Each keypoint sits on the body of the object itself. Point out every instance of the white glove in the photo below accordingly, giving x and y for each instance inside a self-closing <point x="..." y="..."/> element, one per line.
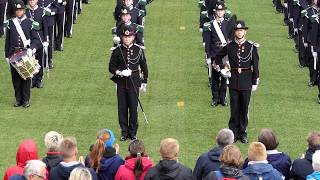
<point x="314" y="54"/>
<point x="305" y="45"/>
<point x="285" y="5"/>
<point x="225" y="73"/>
<point x="295" y="31"/>
<point x="45" y="44"/>
<point x="64" y="3"/>
<point x="208" y="60"/>
<point x="143" y="87"/>
<point x="216" y="67"/>
<point x="30" y="52"/>
<point x="254" y="87"/>
<point x="8" y="60"/>
<point x="200" y="30"/>
<point x="126" y="72"/>
<point x="116" y="39"/>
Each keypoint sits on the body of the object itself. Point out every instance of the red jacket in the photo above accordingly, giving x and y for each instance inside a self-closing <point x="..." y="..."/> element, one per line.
<point x="125" y="172"/>
<point x="27" y="151"/>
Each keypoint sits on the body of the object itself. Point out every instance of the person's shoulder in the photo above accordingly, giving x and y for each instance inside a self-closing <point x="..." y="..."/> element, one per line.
<point x="255" y="44"/>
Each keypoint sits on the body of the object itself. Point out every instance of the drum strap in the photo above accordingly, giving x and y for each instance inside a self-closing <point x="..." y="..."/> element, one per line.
<point x="219" y="32"/>
<point x="26" y="42"/>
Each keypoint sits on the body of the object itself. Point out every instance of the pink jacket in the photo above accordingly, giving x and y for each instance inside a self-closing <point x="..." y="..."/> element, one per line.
<point x="125" y="172"/>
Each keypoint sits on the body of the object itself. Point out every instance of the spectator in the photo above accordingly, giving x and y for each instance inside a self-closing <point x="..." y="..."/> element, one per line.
<point x="303" y="167"/>
<point x="169" y="167"/>
<point x="137" y="163"/>
<point x="27" y="151"/>
<point x="231" y="161"/>
<point x="104" y="158"/>
<point x="258" y="167"/>
<point x="69" y="150"/>
<point x="34" y="170"/>
<point x="209" y="161"/>
<point x="80" y="173"/>
<point x="278" y="160"/>
<point x="316" y="167"/>
<point x="52" y="140"/>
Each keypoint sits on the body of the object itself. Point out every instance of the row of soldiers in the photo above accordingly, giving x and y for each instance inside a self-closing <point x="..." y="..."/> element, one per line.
<point x="128" y="64"/>
<point x="37" y="27"/>
<point x="302" y="19"/>
<point x="232" y="62"/>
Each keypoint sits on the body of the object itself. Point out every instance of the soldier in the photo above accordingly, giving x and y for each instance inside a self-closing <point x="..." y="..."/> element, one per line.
<point x="20" y="36"/>
<point x="126" y="63"/>
<point x="244" y="60"/>
<point x="36" y="14"/>
<point x="3" y="8"/>
<point x="60" y="20"/>
<point x="69" y="18"/>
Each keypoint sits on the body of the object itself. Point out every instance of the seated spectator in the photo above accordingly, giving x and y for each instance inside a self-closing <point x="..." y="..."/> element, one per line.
<point x="104" y="157"/>
<point x="209" y="161"/>
<point x="34" y="170"/>
<point x="231" y="162"/>
<point x="137" y="163"/>
<point x="27" y="151"/>
<point x="169" y="167"/>
<point x="80" y="173"/>
<point x="69" y="150"/>
<point x="52" y="140"/>
<point x="278" y="160"/>
<point x="302" y="167"/>
<point x="316" y="167"/>
<point x="258" y="166"/>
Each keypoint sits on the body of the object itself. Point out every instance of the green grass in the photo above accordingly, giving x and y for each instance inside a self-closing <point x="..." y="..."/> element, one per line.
<point x="79" y="99"/>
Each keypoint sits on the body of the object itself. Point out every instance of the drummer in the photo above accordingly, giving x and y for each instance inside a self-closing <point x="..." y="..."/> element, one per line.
<point x="20" y="37"/>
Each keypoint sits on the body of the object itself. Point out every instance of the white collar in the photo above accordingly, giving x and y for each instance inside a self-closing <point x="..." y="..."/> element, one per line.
<point x="21" y="19"/>
<point x="69" y="164"/>
<point x="257" y="162"/>
<point x="35" y="7"/>
<point x="128" y="46"/>
<point x="238" y="42"/>
<point x="273" y="151"/>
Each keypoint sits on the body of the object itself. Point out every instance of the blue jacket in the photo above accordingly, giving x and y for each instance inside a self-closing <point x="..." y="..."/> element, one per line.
<point x="207" y="162"/>
<point x="264" y="170"/>
<point x="109" y="167"/>
<point x="17" y="177"/>
<point x="314" y="176"/>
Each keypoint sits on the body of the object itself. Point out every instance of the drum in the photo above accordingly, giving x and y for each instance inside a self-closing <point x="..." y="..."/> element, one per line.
<point x="25" y="65"/>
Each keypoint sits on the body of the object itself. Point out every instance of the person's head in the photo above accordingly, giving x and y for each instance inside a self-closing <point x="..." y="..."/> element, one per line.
<point x="169" y="149"/>
<point x="224" y="137"/>
<point x="128" y="35"/>
<point x="314" y="141"/>
<point x="240" y="30"/>
<point x="137" y="150"/>
<point x="33" y="3"/>
<point x="268" y="138"/>
<point x="52" y="140"/>
<point x="257" y="152"/>
<point x="128" y="2"/>
<point x="316" y="161"/>
<point x="27" y="150"/>
<point x="231" y="156"/>
<point x="220" y="10"/>
<point x="80" y="173"/>
<point x="105" y="139"/>
<point x="125" y="15"/>
<point x="35" y="170"/>
<point x="19" y="8"/>
<point x="69" y="149"/>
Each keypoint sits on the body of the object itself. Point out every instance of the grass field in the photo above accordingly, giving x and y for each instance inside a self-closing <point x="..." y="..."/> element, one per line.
<point x="79" y="99"/>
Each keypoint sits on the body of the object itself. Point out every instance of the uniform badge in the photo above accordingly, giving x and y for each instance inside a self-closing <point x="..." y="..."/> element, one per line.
<point x="239" y="70"/>
<point x="18" y="6"/>
<point x="124" y="11"/>
<point x="127" y="32"/>
<point x="220" y="6"/>
<point x="239" y="25"/>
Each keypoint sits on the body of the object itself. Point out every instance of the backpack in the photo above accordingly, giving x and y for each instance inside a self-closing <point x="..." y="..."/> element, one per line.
<point x="220" y="176"/>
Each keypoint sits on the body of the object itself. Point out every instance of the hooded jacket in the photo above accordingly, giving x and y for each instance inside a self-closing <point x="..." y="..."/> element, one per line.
<point x="301" y="168"/>
<point x="52" y="159"/>
<point x="315" y="175"/>
<point x="169" y="169"/>
<point x="207" y="162"/>
<point x="27" y="150"/>
<point x="126" y="171"/>
<point x="62" y="171"/>
<point x="262" y="170"/>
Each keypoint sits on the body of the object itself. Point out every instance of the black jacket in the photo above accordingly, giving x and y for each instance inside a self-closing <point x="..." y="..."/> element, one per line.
<point x="61" y="172"/>
<point x="169" y="169"/>
<point x="51" y="4"/>
<point x="52" y="159"/>
<point x="38" y="16"/>
<point x="227" y="172"/>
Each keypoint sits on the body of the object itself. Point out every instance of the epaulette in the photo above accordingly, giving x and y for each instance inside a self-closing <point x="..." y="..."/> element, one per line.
<point x="142" y="13"/>
<point x="142" y="2"/>
<point x="114" y="30"/>
<point x="204" y="14"/>
<point x="254" y="43"/>
<point x="6" y="23"/>
<point x="35" y="25"/>
<point x="207" y="26"/>
<point x="139" y="46"/>
<point x="114" y="48"/>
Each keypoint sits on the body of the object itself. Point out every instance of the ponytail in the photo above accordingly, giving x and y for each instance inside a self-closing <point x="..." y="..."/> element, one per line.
<point x="138" y="167"/>
<point x="96" y="154"/>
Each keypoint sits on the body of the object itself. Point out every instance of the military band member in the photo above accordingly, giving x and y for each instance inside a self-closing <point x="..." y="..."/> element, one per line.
<point x="36" y="14"/>
<point x="3" y="8"/>
<point x="126" y="63"/>
<point x="69" y="18"/>
<point x="20" y="36"/>
<point x="244" y="64"/>
<point x="59" y="24"/>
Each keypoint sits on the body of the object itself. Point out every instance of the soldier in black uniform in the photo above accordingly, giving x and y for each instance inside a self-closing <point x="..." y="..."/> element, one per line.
<point x="60" y="20"/>
<point x="36" y="14"/>
<point x="126" y="63"/>
<point x="15" y="42"/>
<point x="69" y="18"/>
<point x="244" y="61"/>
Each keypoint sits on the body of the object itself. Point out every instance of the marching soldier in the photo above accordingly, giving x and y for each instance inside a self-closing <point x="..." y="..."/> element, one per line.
<point x="60" y="20"/>
<point x="244" y="64"/>
<point x="126" y="63"/>
<point x="36" y="14"/>
<point x="20" y="36"/>
<point x="69" y="18"/>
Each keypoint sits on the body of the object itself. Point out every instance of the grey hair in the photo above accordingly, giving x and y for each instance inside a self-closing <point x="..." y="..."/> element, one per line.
<point x="34" y="167"/>
<point x="225" y="137"/>
<point x="80" y="173"/>
<point x="316" y="161"/>
<point x="52" y="141"/>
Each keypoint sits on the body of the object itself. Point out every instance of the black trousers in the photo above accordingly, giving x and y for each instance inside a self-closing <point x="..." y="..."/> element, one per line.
<point x="285" y="16"/>
<point x="50" y="47"/>
<point x="37" y="78"/>
<point x="127" y="112"/>
<point x="302" y="50"/>
<point x="59" y="30"/>
<point x="69" y="17"/>
<point x="278" y="5"/>
<point x="218" y="87"/>
<point x="2" y="11"/>
<point x="310" y="61"/>
<point x="239" y="103"/>
<point x="21" y="86"/>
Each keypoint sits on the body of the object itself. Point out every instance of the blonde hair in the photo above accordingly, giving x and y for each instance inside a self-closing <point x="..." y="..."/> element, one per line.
<point x="257" y="151"/>
<point x="80" y="173"/>
<point x="169" y="148"/>
<point x="34" y="167"/>
<point x="52" y="140"/>
<point x="231" y="156"/>
<point x="68" y="147"/>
